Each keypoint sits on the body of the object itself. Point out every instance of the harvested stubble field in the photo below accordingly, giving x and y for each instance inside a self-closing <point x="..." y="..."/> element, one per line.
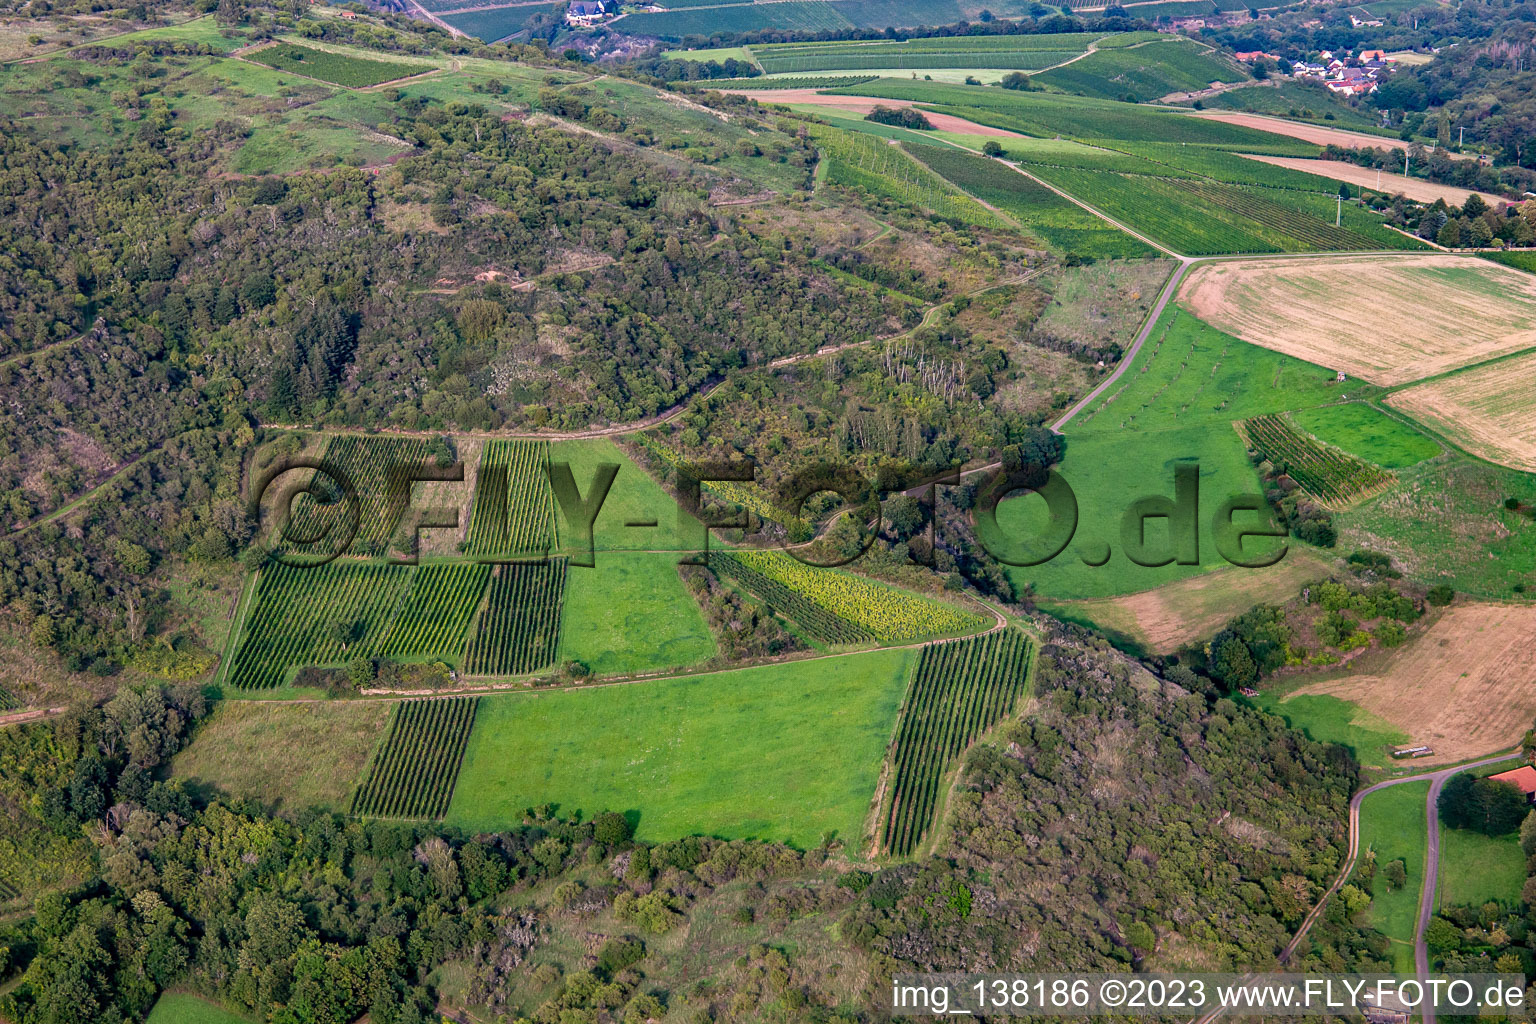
<point x="1344" y="312"/>
<point x="1486" y="410"/>
<point x="1378" y="181"/>
<point x="1464" y="687"/>
<point x="859" y="105"/>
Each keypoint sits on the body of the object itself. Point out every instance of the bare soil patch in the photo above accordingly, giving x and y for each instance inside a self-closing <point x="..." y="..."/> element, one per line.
<point x="1379" y="181"/>
<point x="863" y="105"/>
<point x="1386" y="319"/>
<point x="1464" y="688"/>
<point x="1314" y="133"/>
<point x="1486" y="410"/>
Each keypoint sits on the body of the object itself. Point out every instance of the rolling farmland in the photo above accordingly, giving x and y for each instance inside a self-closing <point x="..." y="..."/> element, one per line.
<point x="413" y="774"/>
<point x="961" y="689"/>
<point x="514" y="510"/>
<point x="519" y="630"/>
<point x="1485" y="409"/>
<point x="1145" y="72"/>
<point x="1334" y="477"/>
<point x="860" y="161"/>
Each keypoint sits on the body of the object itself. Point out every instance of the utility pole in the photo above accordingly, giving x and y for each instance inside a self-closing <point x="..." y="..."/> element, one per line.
<point x="1462" y="141"/>
<point x="1338" y="215"/>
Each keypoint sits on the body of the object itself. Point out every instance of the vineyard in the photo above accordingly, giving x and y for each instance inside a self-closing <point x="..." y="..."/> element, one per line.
<point x="816" y="621"/>
<point x="339" y="68"/>
<point x="1060" y="223"/>
<point x="961" y="690"/>
<point x="368" y="463"/>
<point x="798" y="15"/>
<point x="514" y="510"/>
<point x="1146" y="72"/>
<point x="519" y="630"/>
<point x="414" y="772"/>
<point x="882" y="59"/>
<point x="437" y="612"/>
<point x="867" y="163"/>
<point x="1334" y="477"/>
<point x="887" y="614"/>
<point x="317" y="615"/>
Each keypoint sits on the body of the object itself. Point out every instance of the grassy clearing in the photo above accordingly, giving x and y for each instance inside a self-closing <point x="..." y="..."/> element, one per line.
<point x="183" y="1008"/>
<point x="1335" y="720"/>
<point x="1365" y="431"/>
<point x="1392" y="825"/>
<point x="1475" y="868"/>
<point x="631" y="613"/>
<point x="634" y="498"/>
<point x="787" y="752"/>
<point x="282" y="753"/>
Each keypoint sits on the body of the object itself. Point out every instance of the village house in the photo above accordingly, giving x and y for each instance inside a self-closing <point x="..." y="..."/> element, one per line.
<point x="1522" y="778"/>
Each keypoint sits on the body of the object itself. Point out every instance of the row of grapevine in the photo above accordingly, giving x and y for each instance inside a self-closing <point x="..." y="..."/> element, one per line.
<point x="1007" y="60"/>
<point x="415" y="770"/>
<point x="514" y="510"/>
<point x="815" y="620"/>
<point x="519" y="630"/>
<point x="318" y="615"/>
<point x="886" y="613"/>
<point x="379" y="468"/>
<point x="1334" y="477"/>
<point x="437" y="611"/>
<point x="875" y="166"/>
<point x="961" y="689"/>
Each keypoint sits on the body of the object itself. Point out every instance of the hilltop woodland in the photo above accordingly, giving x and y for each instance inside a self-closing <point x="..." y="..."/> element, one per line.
<point x="314" y="917"/>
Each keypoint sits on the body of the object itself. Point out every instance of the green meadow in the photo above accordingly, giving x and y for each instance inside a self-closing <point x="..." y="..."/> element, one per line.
<point x="1392" y="826"/>
<point x="182" y="1008"/>
<point x="1330" y="719"/>
<point x="1175" y="405"/>
<point x="1475" y="868"/>
<point x="785" y="752"/>
<point x="1369" y="433"/>
<point x="631" y="613"/>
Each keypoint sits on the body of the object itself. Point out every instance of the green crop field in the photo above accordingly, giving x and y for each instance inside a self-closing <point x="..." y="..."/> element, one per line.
<point x="1329" y="474"/>
<point x="519" y="631"/>
<point x="1145" y="72"/>
<point x="1475" y="868"/>
<point x="1330" y="719"/>
<point x="1364" y="430"/>
<point x="960" y="690"/>
<point x="887" y="614"/>
<point x="1392" y="825"/>
<point x="1060" y="223"/>
<point x="183" y="1008"/>
<point x="341" y="69"/>
<point x="858" y="161"/>
<point x="514" y="509"/>
<point x="413" y="773"/>
<point x="788" y="752"/>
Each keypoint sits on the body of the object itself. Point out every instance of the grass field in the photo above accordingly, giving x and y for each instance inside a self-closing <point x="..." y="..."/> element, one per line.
<point x="631" y="613"/>
<point x="1175" y="404"/>
<point x="1367" y="432"/>
<point x="1331" y="475"/>
<point x="299" y="755"/>
<point x="1464" y="311"/>
<point x="1445" y="523"/>
<point x="856" y="160"/>
<point x="182" y="1008"/>
<point x="633" y="498"/>
<point x="787" y="752"/>
<point x="1486" y="409"/>
<point x="338" y="68"/>
<point x="1475" y="868"/>
<point x="1463" y="687"/>
<point x="1392" y="825"/>
<point x="1335" y="720"/>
